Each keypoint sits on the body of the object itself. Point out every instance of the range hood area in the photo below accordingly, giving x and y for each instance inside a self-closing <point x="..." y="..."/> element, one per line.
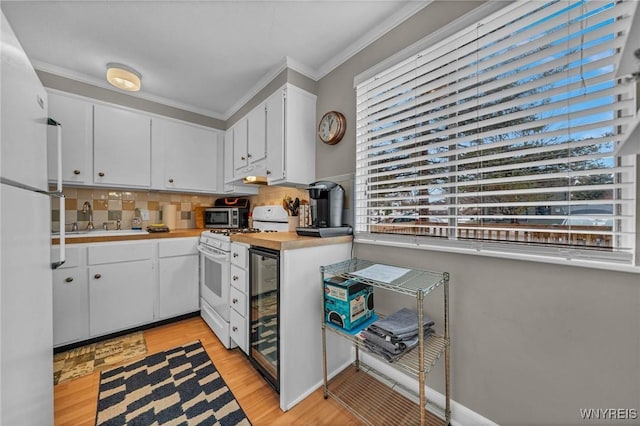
<point x="255" y="180"/>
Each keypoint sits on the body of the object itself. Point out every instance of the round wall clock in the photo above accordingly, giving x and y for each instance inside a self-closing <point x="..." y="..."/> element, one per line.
<point x="331" y="128"/>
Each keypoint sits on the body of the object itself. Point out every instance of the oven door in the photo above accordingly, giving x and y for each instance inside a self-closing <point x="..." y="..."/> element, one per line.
<point x="215" y="286"/>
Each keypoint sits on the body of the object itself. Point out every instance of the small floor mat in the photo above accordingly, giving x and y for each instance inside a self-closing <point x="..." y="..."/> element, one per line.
<point x="97" y="356"/>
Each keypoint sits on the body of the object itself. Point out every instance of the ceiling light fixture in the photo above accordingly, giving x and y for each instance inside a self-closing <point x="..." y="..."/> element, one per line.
<point x="123" y="77"/>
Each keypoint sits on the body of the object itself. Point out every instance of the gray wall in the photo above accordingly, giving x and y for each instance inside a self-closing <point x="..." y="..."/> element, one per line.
<point x="532" y="343"/>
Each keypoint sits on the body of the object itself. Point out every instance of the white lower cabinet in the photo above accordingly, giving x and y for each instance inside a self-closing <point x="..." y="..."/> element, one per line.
<point x="239" y="313"/>
<point x="178" y="277"/>
<point x="108" y="287"/>
<point x="120" y="296"/>
<point x="70" y="299"/>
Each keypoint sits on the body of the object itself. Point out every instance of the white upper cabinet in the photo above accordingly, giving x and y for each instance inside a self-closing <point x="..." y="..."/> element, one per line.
<point x="121" y="147"/>
<point x="231" y="186"/>
<point x="76" y="117"/>
<point x="249" y="144"/>
<point x="185" y="157"/>
<point x="291" y="138"/>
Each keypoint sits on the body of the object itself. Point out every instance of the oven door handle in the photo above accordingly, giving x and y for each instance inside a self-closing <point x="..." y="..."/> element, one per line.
<point x="210" y="255"/>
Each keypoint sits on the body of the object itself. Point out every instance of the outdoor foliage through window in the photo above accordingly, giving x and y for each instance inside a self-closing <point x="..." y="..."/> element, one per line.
<point x="504" y="132"/>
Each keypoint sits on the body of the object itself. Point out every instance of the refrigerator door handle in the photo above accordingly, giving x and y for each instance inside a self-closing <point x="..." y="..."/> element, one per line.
<point x="58" y="193"/>
<point x="63" y="256"/>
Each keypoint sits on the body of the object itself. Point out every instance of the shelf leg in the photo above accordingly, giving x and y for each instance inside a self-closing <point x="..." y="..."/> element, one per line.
<point x="325" y="386"/>
<point x="421" y="377"/>
<point x="447" y="350"/>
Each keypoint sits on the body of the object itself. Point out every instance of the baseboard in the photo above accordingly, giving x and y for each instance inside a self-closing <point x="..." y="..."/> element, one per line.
<point x="318" y="385"/>
<point x="460" y="415"/>
<point x="97" y="339"/>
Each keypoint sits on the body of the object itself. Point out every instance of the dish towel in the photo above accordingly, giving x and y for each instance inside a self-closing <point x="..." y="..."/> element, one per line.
<point x="400" y="324"/>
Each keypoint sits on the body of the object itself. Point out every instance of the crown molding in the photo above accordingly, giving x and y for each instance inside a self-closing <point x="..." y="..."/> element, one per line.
<point x="393" y="21"/>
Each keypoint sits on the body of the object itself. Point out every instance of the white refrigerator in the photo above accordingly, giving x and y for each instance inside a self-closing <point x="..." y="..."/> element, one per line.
<point x="26" y="336"/>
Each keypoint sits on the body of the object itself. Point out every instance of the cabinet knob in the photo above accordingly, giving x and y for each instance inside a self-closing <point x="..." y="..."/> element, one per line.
<point x="235" y="254"/>
<point x="268" y="172"/>
<point x="248" y="155"/>
<point x="97" y="276"/>
<point x="76" y="172"/>
<point x="69" y="279"/>
<point x="234" y="301"/>
<point x="170" y="180"/>
<point x="243" y="158"/>
<point x="101" y="174"/>
<point x="235" y="278"/>
<point x="234" y="328"/>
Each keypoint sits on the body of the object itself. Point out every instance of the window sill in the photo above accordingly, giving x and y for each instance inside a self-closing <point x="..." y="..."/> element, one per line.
<point x="468" y="250"/>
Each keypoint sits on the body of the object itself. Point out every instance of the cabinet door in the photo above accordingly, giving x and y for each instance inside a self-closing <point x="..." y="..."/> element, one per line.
<point x="70" y="305"/>
<point x="190" y="155"/>
<point x="256" y="134"/>
<point x="240" y="144"/>
<point x="275" y="137"/>
<point x="121" y="296"/>
<point x="121" y="147"/>
<point x="179" y="293"/>
<point x="76" y="117"/>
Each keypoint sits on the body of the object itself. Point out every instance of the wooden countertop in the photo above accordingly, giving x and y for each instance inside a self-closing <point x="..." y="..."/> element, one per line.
<point x="177" y="233"/>
<point x="271" y="240"/>
<point x="287" y="240"/>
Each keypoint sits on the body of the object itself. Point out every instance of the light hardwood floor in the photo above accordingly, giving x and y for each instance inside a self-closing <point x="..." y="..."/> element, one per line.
<point x="75" y="401"/>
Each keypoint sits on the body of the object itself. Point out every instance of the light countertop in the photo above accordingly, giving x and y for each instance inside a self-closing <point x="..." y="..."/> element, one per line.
<point x="287" y="240"/>
<point x="177" y="233"/>
<point x="270" y="240"/>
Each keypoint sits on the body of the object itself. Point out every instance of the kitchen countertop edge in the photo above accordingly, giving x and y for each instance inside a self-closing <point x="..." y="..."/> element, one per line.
<point x="287" y="240"/>
<point x="177" y="233"/>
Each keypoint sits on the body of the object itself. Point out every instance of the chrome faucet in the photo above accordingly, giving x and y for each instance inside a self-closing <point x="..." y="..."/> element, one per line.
<point x="86" y="208"/>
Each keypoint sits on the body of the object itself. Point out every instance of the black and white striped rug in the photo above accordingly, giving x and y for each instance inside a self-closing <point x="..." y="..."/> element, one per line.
<point x="180" y="386"/>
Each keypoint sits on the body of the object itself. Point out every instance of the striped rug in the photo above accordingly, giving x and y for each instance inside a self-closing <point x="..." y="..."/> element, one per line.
<point x="178" y="386"/>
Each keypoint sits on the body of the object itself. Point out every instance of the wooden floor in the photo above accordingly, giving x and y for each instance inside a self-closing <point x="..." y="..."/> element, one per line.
<point x="75" y="401"/>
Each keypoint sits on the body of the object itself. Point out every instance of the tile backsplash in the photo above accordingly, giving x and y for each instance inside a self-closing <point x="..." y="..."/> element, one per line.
<point x="111" y="205"/>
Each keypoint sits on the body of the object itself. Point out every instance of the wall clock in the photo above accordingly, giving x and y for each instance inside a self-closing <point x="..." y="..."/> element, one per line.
<point x="331" y="128"/>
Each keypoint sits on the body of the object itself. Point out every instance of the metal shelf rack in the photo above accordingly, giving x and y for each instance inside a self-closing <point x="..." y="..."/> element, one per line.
<point x="386" y="400"/>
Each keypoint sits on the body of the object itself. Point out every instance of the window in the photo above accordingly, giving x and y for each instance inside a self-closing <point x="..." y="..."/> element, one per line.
<point x="503" y="137"/>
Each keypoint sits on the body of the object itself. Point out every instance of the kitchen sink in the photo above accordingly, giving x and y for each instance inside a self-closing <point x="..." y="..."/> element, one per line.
<point x="101" y="233"/>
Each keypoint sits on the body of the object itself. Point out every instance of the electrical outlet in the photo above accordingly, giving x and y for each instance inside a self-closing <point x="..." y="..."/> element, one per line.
<point x="145" y="214"/>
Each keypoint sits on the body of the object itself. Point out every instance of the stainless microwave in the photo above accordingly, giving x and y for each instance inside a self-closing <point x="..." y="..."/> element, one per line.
<point x="226" y="217"/>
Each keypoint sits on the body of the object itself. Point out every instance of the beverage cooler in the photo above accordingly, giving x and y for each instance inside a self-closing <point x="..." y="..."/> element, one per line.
<point x="264" y="313"/>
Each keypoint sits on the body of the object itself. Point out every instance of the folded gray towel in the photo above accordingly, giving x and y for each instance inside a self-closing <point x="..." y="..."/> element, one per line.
<point x="400" y="324"/>
<point x="392" y="356"/>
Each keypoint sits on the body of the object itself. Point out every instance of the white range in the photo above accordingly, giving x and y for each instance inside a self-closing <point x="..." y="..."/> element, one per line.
<point x="215" y="267"/>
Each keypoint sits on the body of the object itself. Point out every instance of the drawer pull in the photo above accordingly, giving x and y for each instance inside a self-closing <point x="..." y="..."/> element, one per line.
<point x="170" y="180"/>
<point x="234" y="328"/>
<point x="235" y="278"/>
<point x="234" y="301"/>
<point x="101" y="174"/>
<point x="76" y="172"/>
<point x="69" y="279"/>
<point x="97" y="276"/>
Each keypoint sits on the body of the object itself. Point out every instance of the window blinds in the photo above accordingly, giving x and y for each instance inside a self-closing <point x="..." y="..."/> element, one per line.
<point x="504" y="133"/>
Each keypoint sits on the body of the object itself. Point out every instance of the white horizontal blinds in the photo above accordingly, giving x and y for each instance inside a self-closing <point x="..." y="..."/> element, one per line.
<point x="504" y="132"/>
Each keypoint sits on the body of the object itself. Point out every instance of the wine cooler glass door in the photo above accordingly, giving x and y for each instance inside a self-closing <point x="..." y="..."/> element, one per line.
<point x="264" y="314"/>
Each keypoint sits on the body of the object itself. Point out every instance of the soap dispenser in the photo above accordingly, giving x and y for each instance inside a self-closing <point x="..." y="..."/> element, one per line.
<point x="136" y="223"/>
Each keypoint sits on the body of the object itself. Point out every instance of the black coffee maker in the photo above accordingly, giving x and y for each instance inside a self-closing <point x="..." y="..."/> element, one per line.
<point x="327" y="201"/>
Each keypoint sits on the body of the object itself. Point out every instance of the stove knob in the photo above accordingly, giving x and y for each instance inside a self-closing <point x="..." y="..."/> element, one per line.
<point x="235" y="278"/>
<point x="235" y="254"/>
<point x="234" y="301"/>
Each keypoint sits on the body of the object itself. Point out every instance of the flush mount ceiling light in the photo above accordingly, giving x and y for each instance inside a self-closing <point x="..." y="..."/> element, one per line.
<point x="123" y="77"/>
